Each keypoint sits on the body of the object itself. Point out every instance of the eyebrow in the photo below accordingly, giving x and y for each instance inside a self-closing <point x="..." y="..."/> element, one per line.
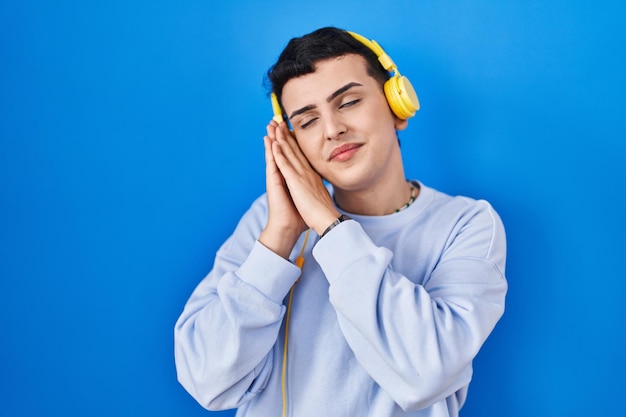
<point x="328" y="99"/>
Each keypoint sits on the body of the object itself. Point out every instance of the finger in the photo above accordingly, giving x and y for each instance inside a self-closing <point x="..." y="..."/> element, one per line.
<point x="281" y="161"/>
<point x="292" y="140"/>
<point x="276" y="186"/>
<point x="270" y="163"/>
<point x="290" y="148"/>
<point x="271" y="130"/>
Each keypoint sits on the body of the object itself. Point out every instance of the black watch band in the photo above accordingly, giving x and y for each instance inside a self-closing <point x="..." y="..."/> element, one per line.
<point x="340" y="219"/>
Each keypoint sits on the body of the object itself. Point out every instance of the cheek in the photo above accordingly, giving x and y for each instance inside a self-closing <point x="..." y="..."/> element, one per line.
<point x="306" y="149"/>
<point x="304" y="140"/>
<point x="314" y="156"/>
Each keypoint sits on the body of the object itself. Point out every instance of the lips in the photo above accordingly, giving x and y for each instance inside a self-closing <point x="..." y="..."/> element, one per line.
<point x="344" y="152"/>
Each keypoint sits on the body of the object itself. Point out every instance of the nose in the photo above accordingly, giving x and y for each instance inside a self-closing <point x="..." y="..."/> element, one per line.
<point x="334" y="127"/>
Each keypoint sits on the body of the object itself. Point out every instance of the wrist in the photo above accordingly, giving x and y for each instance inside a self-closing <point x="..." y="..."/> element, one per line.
<point x="280" y="242"/>
<point x="335" y="223"/>
<point x="323" y="220"/>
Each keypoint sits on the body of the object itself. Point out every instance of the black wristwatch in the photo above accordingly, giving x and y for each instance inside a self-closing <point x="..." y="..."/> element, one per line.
<point x="340" y="219"/>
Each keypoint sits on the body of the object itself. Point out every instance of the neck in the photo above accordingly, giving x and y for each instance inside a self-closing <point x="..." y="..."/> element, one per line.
<point x="378" y="200"/>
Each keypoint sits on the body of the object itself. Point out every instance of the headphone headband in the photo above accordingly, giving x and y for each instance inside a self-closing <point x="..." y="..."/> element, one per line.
<point x="384" y="59"/>
<point x="398" y="89"/>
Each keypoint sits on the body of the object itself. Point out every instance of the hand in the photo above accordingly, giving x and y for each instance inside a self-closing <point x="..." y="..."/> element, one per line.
<point x="305" y="186"/>
<point x="284" y="223"/>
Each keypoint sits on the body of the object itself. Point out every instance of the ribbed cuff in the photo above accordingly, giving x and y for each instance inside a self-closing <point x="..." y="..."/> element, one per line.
<point x="271" y="274"/>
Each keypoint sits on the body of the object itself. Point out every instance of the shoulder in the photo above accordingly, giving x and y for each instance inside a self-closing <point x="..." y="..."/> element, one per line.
<point x="467" y="221"/>
<point x="459" y="207"/>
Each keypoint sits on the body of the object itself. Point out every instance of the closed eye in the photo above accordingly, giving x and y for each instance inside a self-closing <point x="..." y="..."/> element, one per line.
<point x="349" y="103"/>
<point x="312" y="120"/>
<point x="308" y="123"/>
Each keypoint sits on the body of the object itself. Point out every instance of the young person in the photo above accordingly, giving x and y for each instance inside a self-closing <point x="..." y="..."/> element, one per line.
<point x="400" y="286"/>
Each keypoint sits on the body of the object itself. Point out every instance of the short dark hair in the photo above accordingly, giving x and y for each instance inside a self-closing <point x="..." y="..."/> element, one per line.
<point x="302" y="54"/>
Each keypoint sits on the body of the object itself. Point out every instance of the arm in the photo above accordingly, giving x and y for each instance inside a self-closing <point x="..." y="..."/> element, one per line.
<point x="417" y="340"/>
<point x="225" y="335"/>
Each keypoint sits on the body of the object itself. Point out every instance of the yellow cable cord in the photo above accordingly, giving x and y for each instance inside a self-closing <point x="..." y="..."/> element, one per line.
<point x="299" y="262"/>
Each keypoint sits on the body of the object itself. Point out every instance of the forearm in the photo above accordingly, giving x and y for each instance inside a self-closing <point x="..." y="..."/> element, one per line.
<point x="228" y="328"/>
<point x="417" y="342"/>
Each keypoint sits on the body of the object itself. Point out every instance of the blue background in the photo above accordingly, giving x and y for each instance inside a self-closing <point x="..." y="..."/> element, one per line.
<point x="131" y="143"/>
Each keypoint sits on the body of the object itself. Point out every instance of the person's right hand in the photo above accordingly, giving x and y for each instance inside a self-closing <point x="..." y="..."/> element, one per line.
<point x="284" y="224"/>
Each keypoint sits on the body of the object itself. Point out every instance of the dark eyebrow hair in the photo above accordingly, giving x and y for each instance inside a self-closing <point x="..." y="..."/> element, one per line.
<point x="328" y="99"/>
<point x="342" y="90"/>
<point x="302" y="110"/>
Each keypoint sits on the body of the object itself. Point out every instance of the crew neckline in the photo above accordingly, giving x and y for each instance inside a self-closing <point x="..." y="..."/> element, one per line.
<point x="389" y="220"/>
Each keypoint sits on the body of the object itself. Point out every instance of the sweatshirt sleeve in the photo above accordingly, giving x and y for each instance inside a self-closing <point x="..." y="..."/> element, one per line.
<point x="224" y="337"/>
<point x="417" y="341"/>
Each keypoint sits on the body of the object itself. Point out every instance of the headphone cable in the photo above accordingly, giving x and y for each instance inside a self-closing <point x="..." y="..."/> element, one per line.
<point x="299" y="262"/>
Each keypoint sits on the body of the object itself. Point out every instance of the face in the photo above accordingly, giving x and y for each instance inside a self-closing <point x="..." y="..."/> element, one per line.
<point x="343" y="124"/>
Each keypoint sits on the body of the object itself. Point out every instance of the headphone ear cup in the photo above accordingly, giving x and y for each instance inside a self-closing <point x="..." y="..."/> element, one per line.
<point x="401" y="97"/>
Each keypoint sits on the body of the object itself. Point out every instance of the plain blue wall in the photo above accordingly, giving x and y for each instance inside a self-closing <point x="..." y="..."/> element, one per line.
<point x="131" y="143"/>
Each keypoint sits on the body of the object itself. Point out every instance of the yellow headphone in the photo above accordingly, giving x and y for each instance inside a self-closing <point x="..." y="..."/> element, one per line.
<point x="399" y="92"/>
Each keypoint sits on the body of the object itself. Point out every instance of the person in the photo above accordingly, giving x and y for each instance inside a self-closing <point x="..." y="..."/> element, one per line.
<point x="400" y="284"/>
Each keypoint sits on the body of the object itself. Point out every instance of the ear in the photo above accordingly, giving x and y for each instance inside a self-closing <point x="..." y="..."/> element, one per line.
<point x="400" y="124"/>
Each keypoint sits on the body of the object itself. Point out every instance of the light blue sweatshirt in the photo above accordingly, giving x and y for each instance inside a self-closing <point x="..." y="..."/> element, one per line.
<point x="385" y="321"/>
